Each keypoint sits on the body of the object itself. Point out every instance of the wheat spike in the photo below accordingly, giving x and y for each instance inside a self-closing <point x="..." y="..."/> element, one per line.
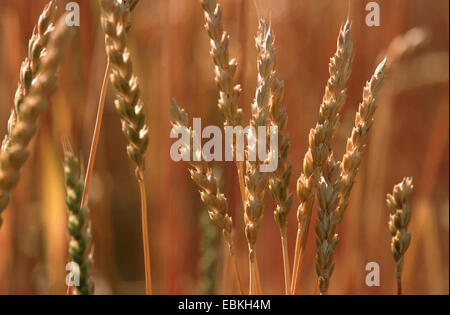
<point x="398" y="223"/>
<point x="203" y="177"/>
<point x="279" y="181"/>
<point x="320" y="139"/>
<point x="128" y="102"/>
<point x="79" y="225"/>
<point x="225" y="69"/>
<point x="357" y="142"/>
<point x="23" y="124"/>
<point x="326" y="224"/>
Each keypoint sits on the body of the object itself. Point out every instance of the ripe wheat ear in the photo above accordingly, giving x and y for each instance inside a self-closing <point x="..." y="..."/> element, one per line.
<point x="210" y="194"/>
<point x="398" y="204"/>
<point x="129" y="104"/>
<point x="23" y="124"/>
<point x="320" y="139"/>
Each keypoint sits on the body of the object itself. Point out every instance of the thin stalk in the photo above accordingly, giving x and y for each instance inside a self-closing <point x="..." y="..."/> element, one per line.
<point x="257" y="278"/>
<point x="399" y="283"/>
<point x="251" y="275"/>
<point x="287" y="272"/>
<point x="95" y="138"/>
<point x="300" y="243"/>
<point x="145" y="234"/>
<point x="236" y="272"/>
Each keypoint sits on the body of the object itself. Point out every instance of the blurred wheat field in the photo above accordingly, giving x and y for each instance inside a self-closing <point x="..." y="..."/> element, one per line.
<point x="170" y="52"/>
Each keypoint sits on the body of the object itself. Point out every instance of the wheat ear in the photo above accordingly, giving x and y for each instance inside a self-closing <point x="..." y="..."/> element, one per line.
<point x="398" y="223"/>
<point x="225" y="69"/>
<point x="210" y="193"/>
<point x="255" y="180"/>
<point x="78" y="224"/>
<point x="98" y="122"/>
<point x="30" y="67"/>
<point x="320" y="139"/>
<point x="326" y="224"/>
<point x="225" y="73"/>
<point x="357" y="142"/>
<point x="128" y="103"/>
<point x="280" y="179"/>
<point x="23" y="126"/>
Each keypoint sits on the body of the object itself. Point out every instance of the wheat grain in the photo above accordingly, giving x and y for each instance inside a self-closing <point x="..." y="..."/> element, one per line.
<point x="357" y="142"/>
<point x="320" y="139"/>
<point x="79" y="225"/>
<point x="128" y="103"/>
<point x="398" y="223"/>
<point x="23" y="124"/>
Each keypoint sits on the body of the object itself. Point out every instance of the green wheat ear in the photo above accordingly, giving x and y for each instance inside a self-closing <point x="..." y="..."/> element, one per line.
<point x="78" y="223"/>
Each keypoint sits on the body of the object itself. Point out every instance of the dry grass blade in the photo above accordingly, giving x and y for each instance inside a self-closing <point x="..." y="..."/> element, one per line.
<point x="357" y="142"/>
<point x="320" y="139"/>
<point x="398" y="223"/>
<point x="23" y="125"/>
<point x="128" y="103"/>
<point x="79" y="225"/>
<point x="210" y="194"/>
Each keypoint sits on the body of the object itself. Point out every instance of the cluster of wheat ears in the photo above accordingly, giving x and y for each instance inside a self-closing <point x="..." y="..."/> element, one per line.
<point x="323" y="178"/>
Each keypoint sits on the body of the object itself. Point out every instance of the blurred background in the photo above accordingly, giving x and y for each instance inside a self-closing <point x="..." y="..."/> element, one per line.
<point x="170" y="50"/>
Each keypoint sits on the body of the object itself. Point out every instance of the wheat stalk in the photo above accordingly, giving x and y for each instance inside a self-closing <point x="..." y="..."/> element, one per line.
<point x="210" y="193"/>
<point x="128" y="103"/>
<point x="357" y="142"/>
<point x="398" y="223"/>
<point x="320" y="139"/>
<point x="79" y="225"/>
<point x="326" y="224"/>
<point x="280" y="179"/>
<point x="23" y="124"/>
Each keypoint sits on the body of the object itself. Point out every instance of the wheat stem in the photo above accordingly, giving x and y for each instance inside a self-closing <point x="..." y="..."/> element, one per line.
<point x="145" y="233"/>
<point x="286" y="266"/>
<point x="95" y="138"/>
